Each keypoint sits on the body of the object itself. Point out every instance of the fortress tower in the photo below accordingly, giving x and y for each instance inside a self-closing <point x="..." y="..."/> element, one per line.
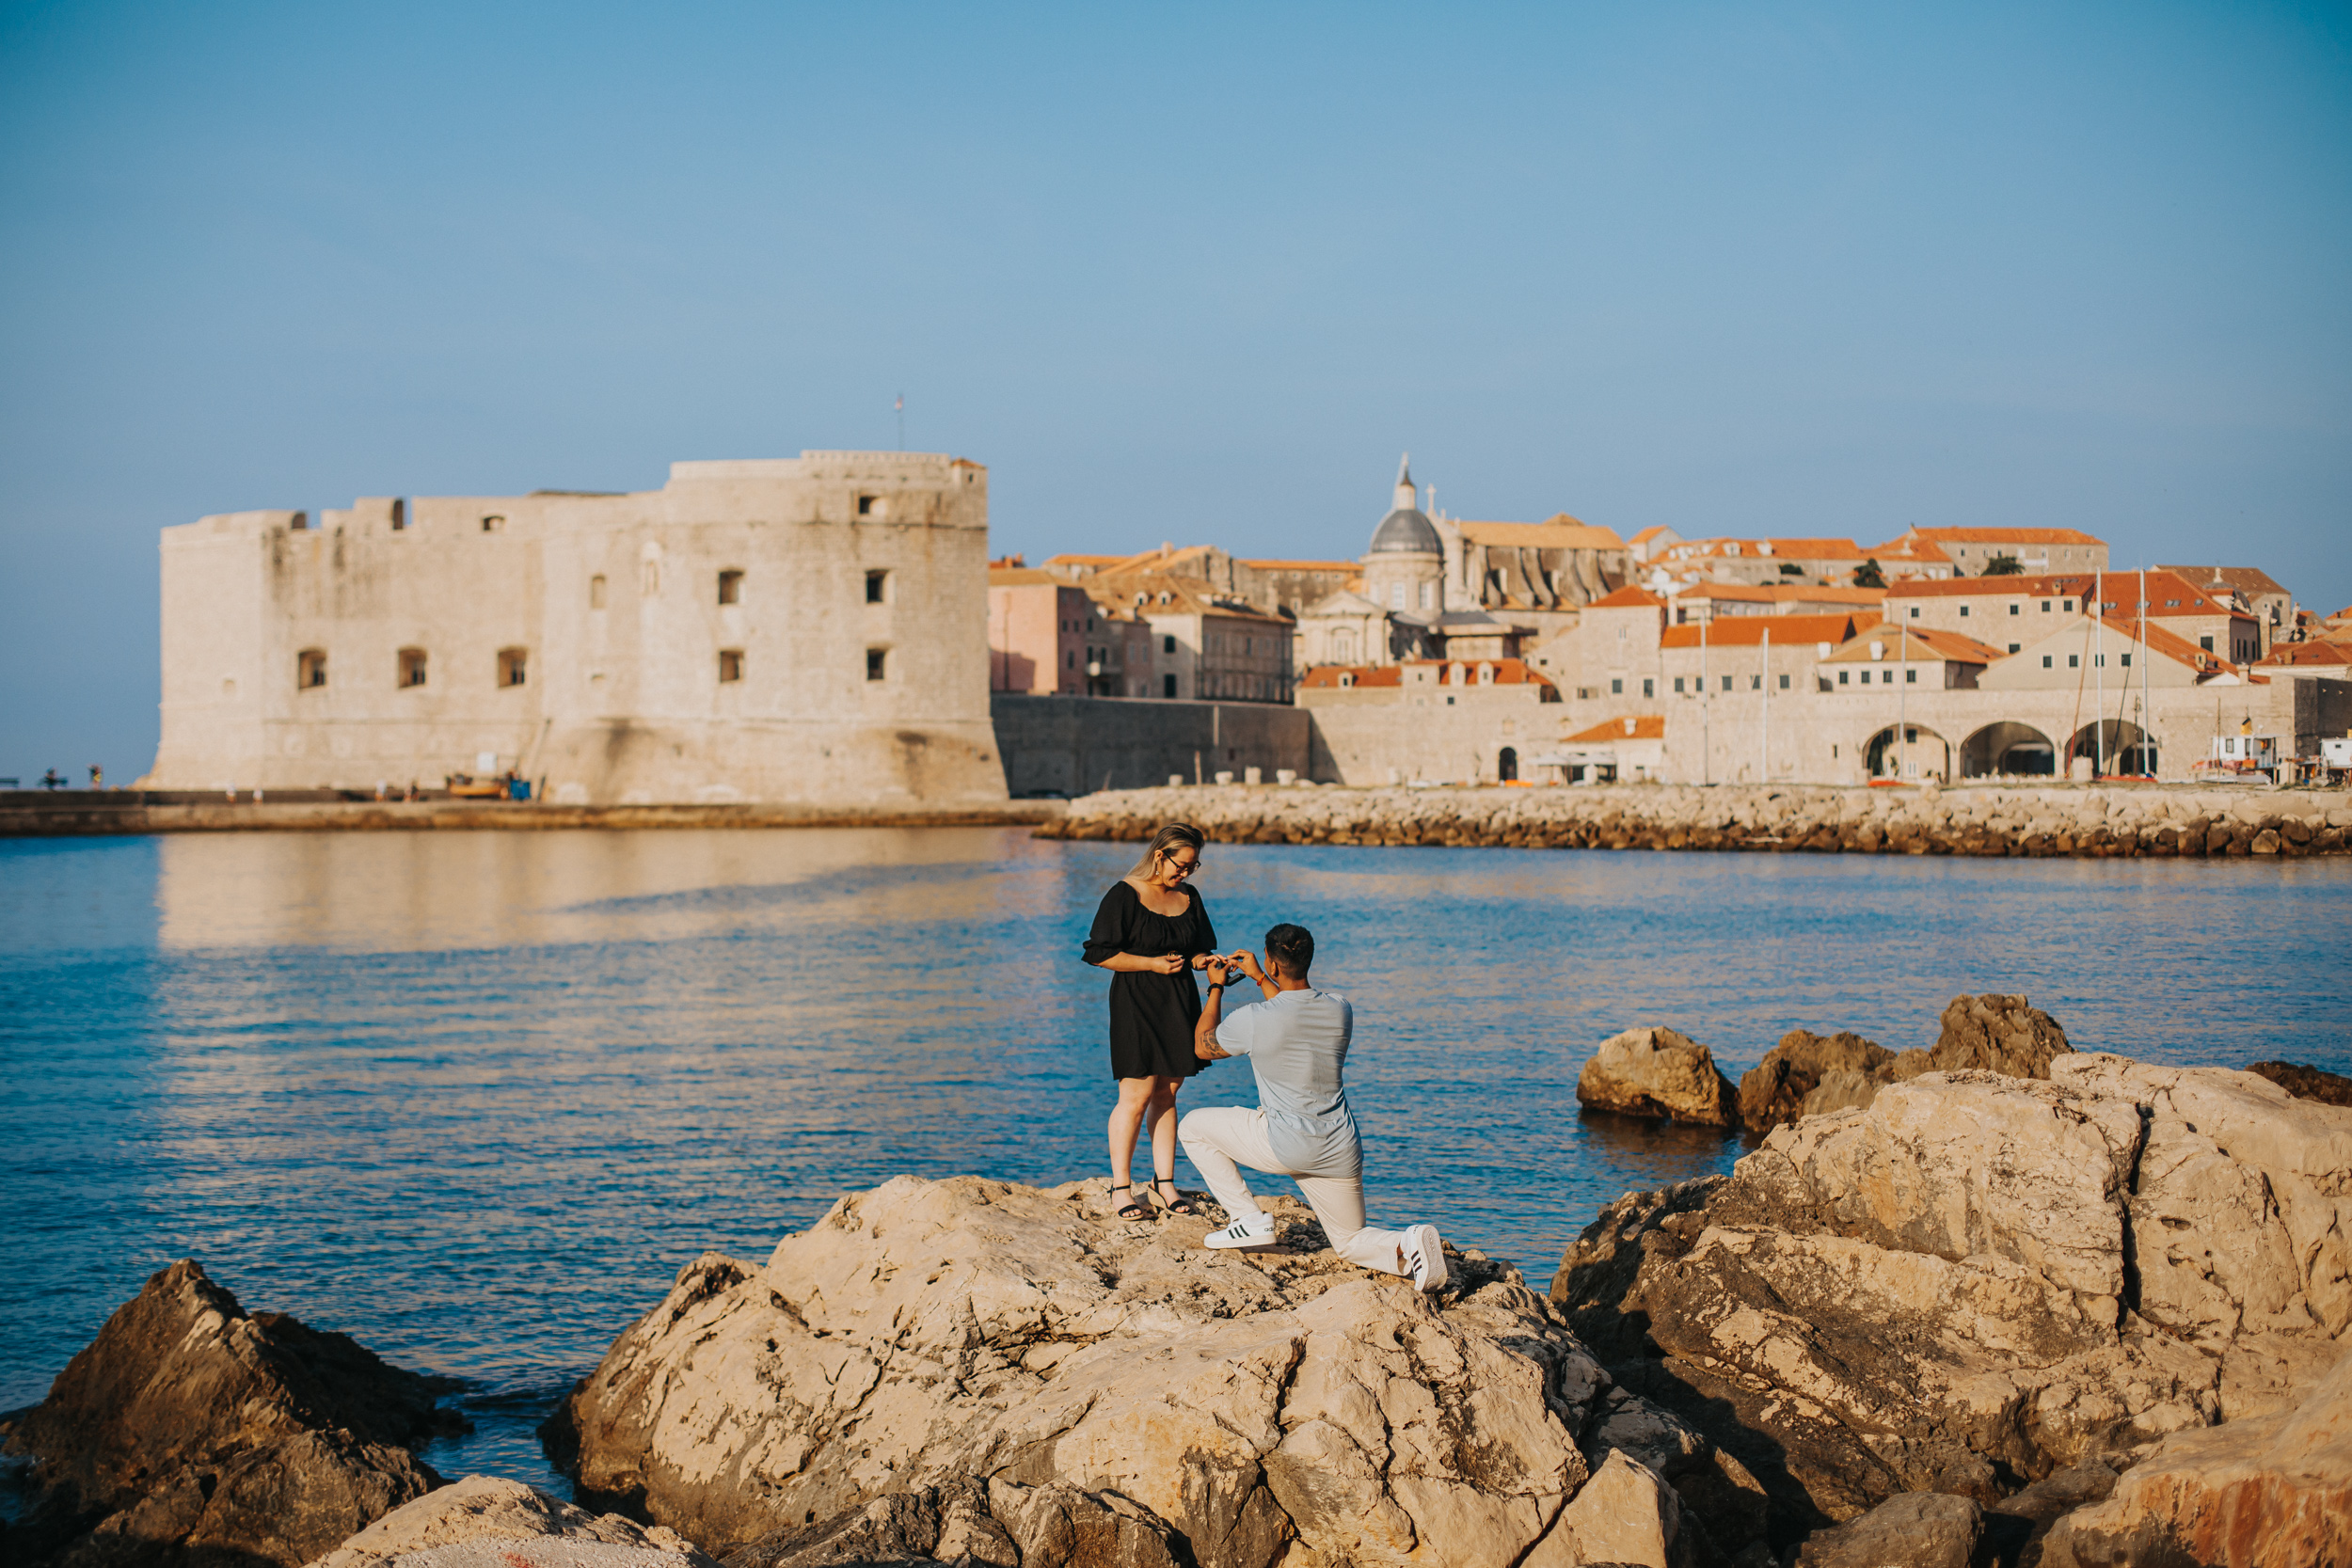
<point x="807" y="629"/>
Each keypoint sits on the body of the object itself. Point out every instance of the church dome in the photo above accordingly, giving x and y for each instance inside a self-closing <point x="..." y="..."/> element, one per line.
<point x="1407" y="530"/>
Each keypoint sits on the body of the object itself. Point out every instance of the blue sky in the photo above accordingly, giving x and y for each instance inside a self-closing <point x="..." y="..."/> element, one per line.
<point x="1187" y="273"/>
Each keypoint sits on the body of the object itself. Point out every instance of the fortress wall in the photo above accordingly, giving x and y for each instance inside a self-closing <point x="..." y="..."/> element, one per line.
<point x="1072" y="745"/>
<point x="621" y="700"/>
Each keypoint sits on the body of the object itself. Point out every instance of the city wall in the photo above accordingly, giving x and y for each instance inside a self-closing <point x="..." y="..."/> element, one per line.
<point x="1074" y="746"/>
<point x="2103" y="821"/>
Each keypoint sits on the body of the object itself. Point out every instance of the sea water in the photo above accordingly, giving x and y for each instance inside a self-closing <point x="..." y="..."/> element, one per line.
<point x="474" y="1098"/>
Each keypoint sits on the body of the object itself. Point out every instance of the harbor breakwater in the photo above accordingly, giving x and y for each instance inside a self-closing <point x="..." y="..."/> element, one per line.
<point x="2096" y="821"/>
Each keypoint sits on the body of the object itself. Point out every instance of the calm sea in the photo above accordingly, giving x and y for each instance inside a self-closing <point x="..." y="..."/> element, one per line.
<point x="474" y="1098"/>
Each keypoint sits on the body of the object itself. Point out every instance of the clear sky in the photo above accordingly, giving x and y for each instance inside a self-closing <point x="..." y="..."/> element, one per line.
<point x="1182" y="272"/>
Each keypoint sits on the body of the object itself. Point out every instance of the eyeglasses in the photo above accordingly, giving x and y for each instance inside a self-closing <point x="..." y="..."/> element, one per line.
<point x="1182" y="868"/>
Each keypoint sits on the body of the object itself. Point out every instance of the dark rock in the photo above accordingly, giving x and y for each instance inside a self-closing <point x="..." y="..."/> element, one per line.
<point x="1773" y="1091"/>
<point x="2306" y="1082"/>
<point x="1917" y="1530"/>
<point x="942" y="1523"/>
<point x="1998" y="1034"/>
<point x="191" y="1431"/>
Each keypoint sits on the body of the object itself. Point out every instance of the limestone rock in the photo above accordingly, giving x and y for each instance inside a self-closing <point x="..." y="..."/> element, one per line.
<point x="1625" y="1515"/>
<point x="201" y="1433"/>
<point x="2306" y="1082"/>
<point x="2269" y="1491"/>
<point x="954" y="1521"/>
<point x="1773" y="1091"/>
<point x="1657" y="1071"/>
<point x="448" y="1527"/>
<point x="1998" y="1034"/>
<point x="1233" y="1407"/>
<point x="1980" y="1280"/>
<point x="1917" y="1530"/>
<point x="1840" y="1089"/>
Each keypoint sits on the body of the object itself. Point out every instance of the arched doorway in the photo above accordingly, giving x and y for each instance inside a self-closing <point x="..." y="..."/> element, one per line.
<point x="2116" y="747"/>
<point x="1920" y="753"/>
<point x="2008" y="749"/>
<point x="1508" y="765"/>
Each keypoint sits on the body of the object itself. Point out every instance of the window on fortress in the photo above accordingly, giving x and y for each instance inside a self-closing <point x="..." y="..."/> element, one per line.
<point x="2013" y="647"/>
<point x="1783" y="683"/>
<point x="1841" y="677"/>
<point x="1727" y="682"/>
<point x="1649" y="689"/>
<point x="1677" y="685"/>
<point x="877" y="585"/>
<point x="1912" y="675"/>
<point x="869" y="506"/>
<point x="730" y="588"/>
<point x="491" y="525"/>
<point x="310" y="667"/>
<point x="877" y="663"/>
<point x="2045" y="661"/>
<point x="513" y="665"/>
<point x="1963" y="612"/>
<point x="1915" y="613"/>
<point x="595" y="592"/>
<point x="411" y="667"/>
<point x="730" y="664"/>
<point x="1168" y="645"/>
<point x="1616" y="688"/>
<point x="1755" y="682"/>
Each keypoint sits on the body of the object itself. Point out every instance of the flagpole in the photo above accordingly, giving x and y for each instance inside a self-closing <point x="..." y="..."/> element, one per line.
<point x="902" y="406"/>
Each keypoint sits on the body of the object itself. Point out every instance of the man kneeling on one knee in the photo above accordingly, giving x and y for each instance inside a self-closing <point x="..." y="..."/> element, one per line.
<point x="1297" y="1042"/>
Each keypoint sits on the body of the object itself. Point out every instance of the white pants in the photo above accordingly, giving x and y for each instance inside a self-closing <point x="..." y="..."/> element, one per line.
<point x="1219" y="1138"/>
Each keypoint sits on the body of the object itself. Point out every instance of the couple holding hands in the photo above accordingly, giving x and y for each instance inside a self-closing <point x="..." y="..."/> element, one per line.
<point x="1153" y="933"/>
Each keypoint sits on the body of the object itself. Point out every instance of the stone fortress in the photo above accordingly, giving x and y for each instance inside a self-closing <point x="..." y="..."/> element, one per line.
<point x="807" y="629"/>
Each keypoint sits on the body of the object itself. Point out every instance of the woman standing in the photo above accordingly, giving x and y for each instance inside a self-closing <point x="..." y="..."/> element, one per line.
<point x="1151" y="932"/>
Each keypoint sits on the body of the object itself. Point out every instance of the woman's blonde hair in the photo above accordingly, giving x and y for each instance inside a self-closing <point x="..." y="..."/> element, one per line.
<point x="1170" y="834"/>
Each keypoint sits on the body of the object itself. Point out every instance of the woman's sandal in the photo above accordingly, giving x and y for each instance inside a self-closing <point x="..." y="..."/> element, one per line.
<point x="1180" y="1204"/>
<point x="1130" y="1209"/>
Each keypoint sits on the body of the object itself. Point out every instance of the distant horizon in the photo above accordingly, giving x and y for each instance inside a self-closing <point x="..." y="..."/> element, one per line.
<point x="1822" y="270"/>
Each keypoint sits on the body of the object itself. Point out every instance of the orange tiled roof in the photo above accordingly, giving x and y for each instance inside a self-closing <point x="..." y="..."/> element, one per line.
<point x="1558" y="532"/>
<point x="1628" y="597"/>
<point x="2169" y="593"/>
<point x="1747" y="632"/>
<point x="1023" y="576"/>
<point x="1349" y="566"/>
<point x="1640" y="726"/>
<point x="1508" y="672"/>
<point x="1915" y="644"/>
<point x="2246" y="579"/>
<point x="1366" y="674"/>
<point x="2306" y="655"/>
<point x="2006" y="536"/>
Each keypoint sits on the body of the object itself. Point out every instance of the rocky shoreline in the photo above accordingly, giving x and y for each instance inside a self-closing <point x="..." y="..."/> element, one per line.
<point x="2106" y="821"/>
<point x="1998" y="1302"/>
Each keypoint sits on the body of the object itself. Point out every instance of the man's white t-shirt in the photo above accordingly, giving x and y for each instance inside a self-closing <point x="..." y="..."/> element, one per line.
<point x="1297" y="1042"/>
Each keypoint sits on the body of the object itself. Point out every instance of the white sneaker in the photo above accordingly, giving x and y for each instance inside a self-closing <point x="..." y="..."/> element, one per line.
<point x="1423" y="1256"/>
<point x="1249" y="1235"/>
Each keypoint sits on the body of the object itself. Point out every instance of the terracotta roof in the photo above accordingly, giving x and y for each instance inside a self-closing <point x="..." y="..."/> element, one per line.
<point x="2169" y="593"/>
<point x="1348" y="567"/>
<point x="1651" y="532"/>
<point x="1508" y="672"/>
<point x="1023" y="576"/>
<point x="1187" y="596"/>
<point x="1747" y="632"/>
<point x="1914" y="645"/>
<point x="1785" y="593"/>
<point x="1561" y="533"/>
<point x="2006" y="536"/>
<point x="1084" y="560"/>
<point x="2246" y="579"/>
<point x="1628" y="597"/>
<point x="2306" y="655"/>
<point x="1639" y="726"/>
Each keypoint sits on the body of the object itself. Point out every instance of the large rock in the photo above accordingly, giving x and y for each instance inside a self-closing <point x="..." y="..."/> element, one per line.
<point x="2306" y="1082"/>
<point x="190" y="1430"/>
<point x="1659" y="1072"/>
<point x="1917" y="1530"/>
<point x="1998" y="1034"/>
<point x="1981" y="1280"/>
<point x="450" y="1528"/>
<point x="1115" y="1389"/>
<point x="2269" y="1491"/>
<point x="1774" y="1090"/>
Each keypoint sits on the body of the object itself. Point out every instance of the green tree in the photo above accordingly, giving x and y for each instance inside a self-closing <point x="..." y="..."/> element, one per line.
<point x="1868" y="575"/>
<point x="2004" y="566"/>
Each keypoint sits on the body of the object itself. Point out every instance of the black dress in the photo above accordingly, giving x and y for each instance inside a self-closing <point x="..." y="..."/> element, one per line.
<point x="1152" y="1016"/>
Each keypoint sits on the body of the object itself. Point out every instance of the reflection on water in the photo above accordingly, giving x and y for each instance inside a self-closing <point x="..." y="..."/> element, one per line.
<point x="475" y="1097"/>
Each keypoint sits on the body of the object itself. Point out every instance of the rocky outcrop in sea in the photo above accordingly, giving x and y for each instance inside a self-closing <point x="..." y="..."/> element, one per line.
<point x="1983" y="1284"/>
<point x="191" y="1431"/>
<point x="2099" y="822"/>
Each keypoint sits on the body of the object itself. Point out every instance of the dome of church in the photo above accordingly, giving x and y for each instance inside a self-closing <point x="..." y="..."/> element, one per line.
<point x="1407" y="530"/>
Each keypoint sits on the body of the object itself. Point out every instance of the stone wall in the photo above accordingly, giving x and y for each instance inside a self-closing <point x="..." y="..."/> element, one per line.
<point x="2101" y="822"/>
<point x="614" y="605"/>
<point x="1072" y="745"/>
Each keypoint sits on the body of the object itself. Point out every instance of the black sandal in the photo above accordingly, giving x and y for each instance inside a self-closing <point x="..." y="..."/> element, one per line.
<point x="1180" y="1204"/>
<point x="1130" y="1209"/>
